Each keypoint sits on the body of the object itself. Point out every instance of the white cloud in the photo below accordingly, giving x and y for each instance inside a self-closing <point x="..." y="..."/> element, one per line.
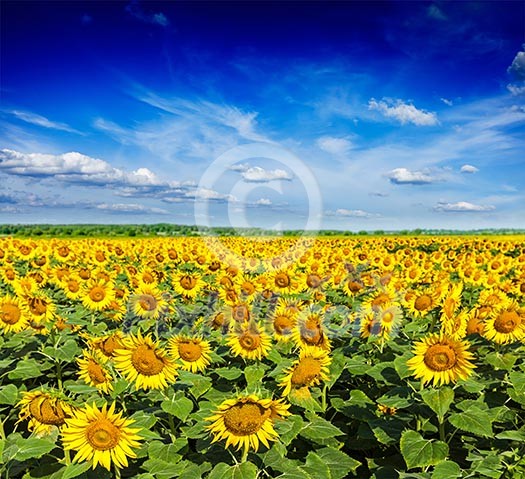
<point x="343" y="212"/>
<point x="256" y="174"/>
<point x="129" y="208"/>
<point x="74" y="167"/>
<point x="402" y="176"/>
<point x="42" y="121"/>
<point x="209" y="194"/>
<point x="462" y="206"/>
<point x="517" y="67"/>
<point x="403" y="112"/>
<point x="447" y="102"/>
<point x="433" y="11"/>
<point x="333" y="145"/>
<point x="135" y="10"/>
<point x="469" y="169"/>
<point x="516" y="90"/>
<point x="263" y="202"/>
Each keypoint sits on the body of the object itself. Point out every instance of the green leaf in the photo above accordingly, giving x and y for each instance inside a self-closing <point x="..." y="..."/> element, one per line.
<point x="163" y="469"/>
<point x="339" y="463"/>
<point x="228" y="373"/>
<point x="518" y="381"/>
<point x="399" y="397"/>
<point x="289" y="428"/>
<point x="74" y="470"/>
<point x="320" y="428"/>
<point x="67" y="352"/>
<point x="401" y="366"/>
<point x="245" y="470"/>
<point x="28" y="368"/>
<point x="446" y="470"/>
<point x="167" y="452"/>
<point x="33" y="447"/>
<point x="315" y="466"/>
<point x="501" y="361"/>
<point x="387" y="429"/>
<point x="473" y="420"/>
<point x="357" y="365"/>
<point x="180" y="407"/>
<point x="439" y="400"/>
<point x="254" y="375"/>
<point x="419" y="452"/>
<point x="8" y="394"/>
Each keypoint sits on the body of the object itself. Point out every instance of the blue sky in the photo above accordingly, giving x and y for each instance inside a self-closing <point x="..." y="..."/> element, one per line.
<point x="396" y="114"/>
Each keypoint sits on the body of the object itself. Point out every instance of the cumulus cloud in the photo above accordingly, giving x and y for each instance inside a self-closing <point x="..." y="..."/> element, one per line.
<point x="517" y="67"/>
<point x="136" y="11"/>
<point x="516" y="89"/>
<point x="42" y="121"/>
<point x="403" y="176"/>
<point x="263" y="202"/>
<point x="256" y="174"/>
<point x="469" y="169"/>
<point x="333" y="145"/>
<point x="75" y="167"/>
<point x="403" y="112"/>
<point x="462" y="206"/>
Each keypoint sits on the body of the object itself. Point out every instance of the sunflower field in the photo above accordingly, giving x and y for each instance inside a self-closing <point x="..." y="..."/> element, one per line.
<point x="156" y="358"/>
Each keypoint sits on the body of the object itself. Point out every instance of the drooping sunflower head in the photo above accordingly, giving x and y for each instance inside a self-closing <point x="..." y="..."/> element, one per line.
<point x="144" y="363"/>
<point x="93" y="371"/>
<point x="309" y="330"/>
<point x="44" y="410"/>
<point x="247" y="421"/>
<point x="309" y="370"/>
<point x="101" y="436"/>
<point x="249" y="341"/>
<point x="193" y="353"/>
<point x="441" y="360"/>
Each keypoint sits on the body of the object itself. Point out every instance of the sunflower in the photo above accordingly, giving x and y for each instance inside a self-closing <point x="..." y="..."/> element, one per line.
<point x="44" y="411"/>
<point x="380" y="297"/>
<point x="188" y="285"/>
<point x="283" y="322"/>
<point x="309" y="370"/>
<point x="247" y="421"/>
<point x="145" y="363"/>
<point x="13" y="314"/>
<point x="309" y="329"/>
<point x="97" y="294"/>
<point x="506" y="323"/>
<point x="193" y="353"/>
<point x="421" y="302"/>
<point x="101" y="436"/>
<point x="41" y="308"/>
<point x="455" y="327"/>
<point x="249" y="342"/>
<point x="107" y="345"/>
<point x="148" y="302"/>
<point x="441" y="359"/>
<point x="451" y="301"/>
<point x="93" y="372"/>
<point x="283" y="281"/>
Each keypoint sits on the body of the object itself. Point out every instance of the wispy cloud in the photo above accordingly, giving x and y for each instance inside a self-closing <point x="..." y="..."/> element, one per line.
<point x="403" y="112"/>
<point x="334" y="145"/>
<point x="447" y="102"/>
<point x="42" y="121"/>
<point x="343" y="212"/>
<point x="134" y="8"/>
<point x="462" y="206"/>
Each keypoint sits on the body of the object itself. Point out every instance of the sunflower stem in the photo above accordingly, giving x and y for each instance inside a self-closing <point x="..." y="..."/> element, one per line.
<point x="244" y="455"/>
<point x="441" y="422"/>
<point x="117" y="472"/>
<point x="59" y="375"/>
<point x="323" y="398"/>
<point x="67" y="457"/>
<point x="171" y="423"/>
<point x="433" y="323"/>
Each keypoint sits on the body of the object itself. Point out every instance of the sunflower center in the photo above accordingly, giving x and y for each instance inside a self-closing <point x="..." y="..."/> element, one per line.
<point x="353" y="286"/>
<point x="311" y="332"/>
<point x="109" y="345"/>
<point x="306" y="371"/>
<point x="97" y="294"/>
<point x="73" y="285"/>
<point x="282" y="280"/>
<point x="522" y="288"/>
<point x="96" y="373"/>
<point x="147" y="302"/>
<point x="38" y="306"/>
<point x="282" y="324"/>
<point x="190" y="351"/>
<point x="146" y="361"/>
<point x="240" y="313"/>
<point x="103" y="435"/>
<point x="507" y="322"/>
<point x="423" y="302"/>
<point x="187" y="282"/>
<point x="248" y="288"/>
<point x="387" y="317"/>
<point x="10" y="313"/>
<point x="245" y="419"/>
<point x="380" y="300"/>
<point x="313" y="281"/>
<point x="249" y="341"/>
<point x="440" y="357"/>
<point x="46" y="412"/>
